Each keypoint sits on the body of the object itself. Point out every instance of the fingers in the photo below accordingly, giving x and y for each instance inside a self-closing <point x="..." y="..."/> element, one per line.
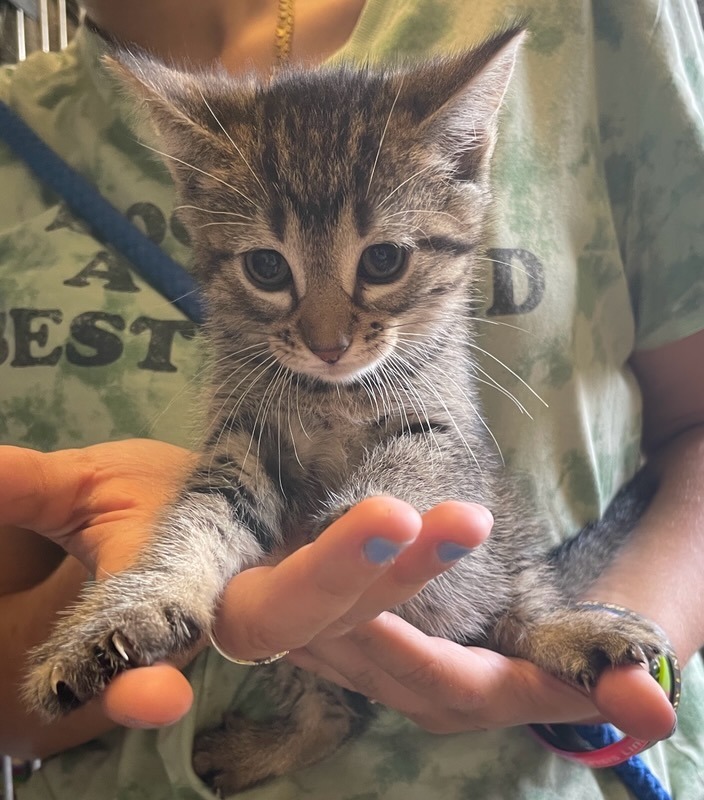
<point x="442" y="686"/>
<point x="450" y="531"/>
<point x="378" y="555"/>
<point x="446" y="688"/>
<point x="269" y="609"/>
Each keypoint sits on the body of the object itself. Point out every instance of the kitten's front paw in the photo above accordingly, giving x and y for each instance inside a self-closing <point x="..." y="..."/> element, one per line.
<point x="118" y="624"/>
<point x="584" y="642"/>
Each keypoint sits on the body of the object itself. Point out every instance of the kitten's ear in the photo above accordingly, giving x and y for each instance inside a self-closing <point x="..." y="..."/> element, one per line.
<point x="173" y="99"/>
<point x="459" y="101"/>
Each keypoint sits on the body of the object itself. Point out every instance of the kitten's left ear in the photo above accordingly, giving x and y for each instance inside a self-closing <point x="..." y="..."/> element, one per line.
<point x="459" y="100"/>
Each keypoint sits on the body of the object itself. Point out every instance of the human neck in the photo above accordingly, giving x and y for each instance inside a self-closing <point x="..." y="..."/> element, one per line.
<point x="239" y="35"/>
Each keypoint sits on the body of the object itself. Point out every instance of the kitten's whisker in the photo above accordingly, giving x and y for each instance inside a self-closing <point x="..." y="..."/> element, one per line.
<point x="197" y="169"/>
<point x="278" y="427"/>
<point x="410" y="390"/>
<point x="504" y="264"/>
<point x="502" y="324"/>
<point x="225" y="426"/>
<point x="371" y="395"/>
<point x="490" y="380"/>
<point x="298" y="407"/>
<point x="403" y="183"/>
<point x="383" y="135"/>
<point x="494" y="385"/>
<point x="391" y="385"/>
<point x="226" y="222"/>
<point x="425" y="211"/>
<point x="267" y="401"/>
<point x="253" y="431"/>
<point x="162" y="302"/>
<point x="290" y="427"/>
<point x="149" y="426"/>
<point x="214" y="211"/>
<point x="232" y="142"/>
<point x="450" y="416"/>
<point x="475" y="346"/>
<point x="262" y="368"/>
<point x="238" y="365"/>
<point x="187" y="385"/>
<point x="223" y="386"/>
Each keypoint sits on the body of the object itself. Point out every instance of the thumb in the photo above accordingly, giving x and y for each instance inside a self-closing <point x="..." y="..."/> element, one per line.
<point x="633" y="701"/>
<point x="40" y="491"/>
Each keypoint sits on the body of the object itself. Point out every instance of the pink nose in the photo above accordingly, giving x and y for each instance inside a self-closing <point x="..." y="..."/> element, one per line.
<point x="330" y="355"/>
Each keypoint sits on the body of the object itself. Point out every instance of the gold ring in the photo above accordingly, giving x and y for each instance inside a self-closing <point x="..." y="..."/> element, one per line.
<point x="243" y="662"/>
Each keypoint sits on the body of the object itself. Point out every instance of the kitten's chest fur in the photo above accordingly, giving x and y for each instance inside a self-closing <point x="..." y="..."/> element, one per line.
<point x="314" y="439"/>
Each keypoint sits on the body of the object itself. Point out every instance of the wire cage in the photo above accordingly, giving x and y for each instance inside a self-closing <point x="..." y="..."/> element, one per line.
<point x="29" y="25"/>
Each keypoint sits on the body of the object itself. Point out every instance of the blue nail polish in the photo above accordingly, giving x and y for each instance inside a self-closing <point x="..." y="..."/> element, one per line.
<point x="379" y="550"/>
<point x="451" y="551"/>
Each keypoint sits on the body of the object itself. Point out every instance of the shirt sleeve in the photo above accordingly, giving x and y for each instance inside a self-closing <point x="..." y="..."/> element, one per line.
<point x="650" y="73"/>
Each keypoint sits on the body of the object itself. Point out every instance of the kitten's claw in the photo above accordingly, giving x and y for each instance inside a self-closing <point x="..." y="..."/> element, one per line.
<point x="55" y="680"/>
<point x="105" y="636"/>
<point x="119" y="644"/>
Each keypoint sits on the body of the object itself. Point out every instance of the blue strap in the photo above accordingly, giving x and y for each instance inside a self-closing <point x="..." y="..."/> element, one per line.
<point x="634" y="773"/>
<point x="167" y="276"/>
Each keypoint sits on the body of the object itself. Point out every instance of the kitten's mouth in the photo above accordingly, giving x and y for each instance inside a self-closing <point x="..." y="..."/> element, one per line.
<point x="343" y="371"/>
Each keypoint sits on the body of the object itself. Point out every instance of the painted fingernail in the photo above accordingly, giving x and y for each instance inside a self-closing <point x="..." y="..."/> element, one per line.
<point x="673" y="731"/>
<point x="451" y="551"/>
<point x="380" y="551"/>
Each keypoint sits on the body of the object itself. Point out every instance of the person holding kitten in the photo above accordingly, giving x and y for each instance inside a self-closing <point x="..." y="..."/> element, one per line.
<point x="591" y="257"/>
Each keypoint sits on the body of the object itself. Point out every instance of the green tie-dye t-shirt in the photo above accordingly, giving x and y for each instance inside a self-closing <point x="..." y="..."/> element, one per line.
<point x="595" y="249"/>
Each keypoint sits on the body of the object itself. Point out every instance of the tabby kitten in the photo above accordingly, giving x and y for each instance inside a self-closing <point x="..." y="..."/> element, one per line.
<point x="336" y="218"/>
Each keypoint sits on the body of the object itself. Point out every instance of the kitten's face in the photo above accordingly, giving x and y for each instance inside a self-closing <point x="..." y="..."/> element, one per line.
<point x="335" y="214"/>
<point x="338" y="254"/>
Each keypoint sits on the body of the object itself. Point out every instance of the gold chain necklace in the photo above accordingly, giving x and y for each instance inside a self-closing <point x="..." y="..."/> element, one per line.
<point x="284" y="31"/>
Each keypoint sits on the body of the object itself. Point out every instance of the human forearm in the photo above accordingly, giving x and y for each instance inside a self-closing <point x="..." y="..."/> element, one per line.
<point x="658" y="574"/>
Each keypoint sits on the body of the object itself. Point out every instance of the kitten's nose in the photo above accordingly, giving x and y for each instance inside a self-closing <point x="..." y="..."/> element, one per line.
<point x="328" y="353"/>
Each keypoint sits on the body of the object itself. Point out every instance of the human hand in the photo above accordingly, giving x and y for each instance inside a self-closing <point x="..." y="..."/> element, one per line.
<point x="322" y="602"/>
<point x="321" y="590"/>
<point x="447" y="688"/>
<point x="326" y="605"/>
<point x="98" y="503"/>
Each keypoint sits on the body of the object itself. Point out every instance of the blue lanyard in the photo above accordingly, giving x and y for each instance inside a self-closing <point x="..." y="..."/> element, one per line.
<point x="167" y="276"/>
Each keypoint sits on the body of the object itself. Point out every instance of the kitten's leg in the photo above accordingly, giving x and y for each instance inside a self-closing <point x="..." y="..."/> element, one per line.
<point x="313" y="719"/>
<point x="573" y="643"/>
<point x="161" y="606"/>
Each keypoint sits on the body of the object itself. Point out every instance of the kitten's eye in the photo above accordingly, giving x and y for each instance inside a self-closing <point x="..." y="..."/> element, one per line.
<point x="382" y="263"/>
<point x="267" y="269"/>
